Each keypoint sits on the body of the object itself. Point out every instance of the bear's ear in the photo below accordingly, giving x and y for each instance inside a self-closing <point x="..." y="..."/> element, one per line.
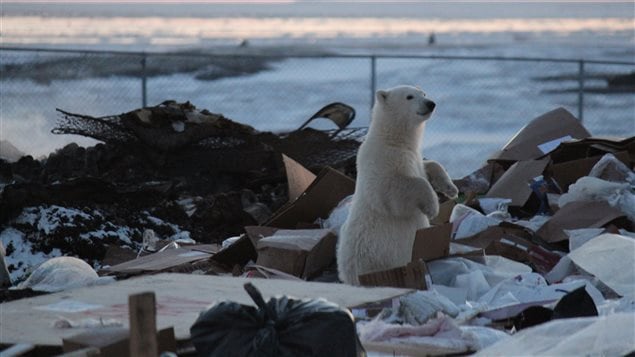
<point x="381" y="95"/>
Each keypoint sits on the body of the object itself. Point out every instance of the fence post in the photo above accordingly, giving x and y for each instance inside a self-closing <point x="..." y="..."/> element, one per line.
<point x="373" y="80"/>
<point x="581" y="75"/>
<point x="144" y="80"/>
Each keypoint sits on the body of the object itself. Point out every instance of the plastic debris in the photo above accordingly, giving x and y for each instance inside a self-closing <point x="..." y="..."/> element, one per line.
<point x="63" y="273"/>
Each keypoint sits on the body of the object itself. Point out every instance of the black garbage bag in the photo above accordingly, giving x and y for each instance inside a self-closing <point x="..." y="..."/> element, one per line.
<point x="280" y="327"/>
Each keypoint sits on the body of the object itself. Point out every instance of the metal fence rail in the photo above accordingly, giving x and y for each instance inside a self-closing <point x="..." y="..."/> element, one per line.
<point x="482" y="100"/>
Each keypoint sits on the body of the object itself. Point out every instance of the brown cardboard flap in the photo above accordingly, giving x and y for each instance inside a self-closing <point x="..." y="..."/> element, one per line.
<point x="298" y="177"/>
<point x="550" y="126"/>
<point x="319" y="199"/>
<point x="592" y="146"/>
<point x="242" y="251"/>
<point x="445" y="211"/>
<point x="514" y="184"/>
<point x="412" y="275"/>
<point x="576" y="215"/>
<point x="569" y="172"/>
<point x="432" y="242"/>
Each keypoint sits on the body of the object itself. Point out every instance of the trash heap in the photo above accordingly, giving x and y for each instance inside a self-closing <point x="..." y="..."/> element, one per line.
<point x="535" y="258"/>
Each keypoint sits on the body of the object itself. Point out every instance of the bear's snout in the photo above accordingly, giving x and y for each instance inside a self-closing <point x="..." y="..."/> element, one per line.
<point x="430" y="105"/>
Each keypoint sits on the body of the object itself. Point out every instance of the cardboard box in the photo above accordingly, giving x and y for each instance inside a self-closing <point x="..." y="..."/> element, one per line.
<point x="300" y="252"/>
<point x="542" y="135"/>
<point x="412" y="275"/>
<point x="575" y="215"/>
<point x="432" y="242"/>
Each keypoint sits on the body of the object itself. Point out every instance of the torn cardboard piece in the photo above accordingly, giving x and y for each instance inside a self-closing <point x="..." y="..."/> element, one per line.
<point x="544" y="131"/>
<point x="301" y="252"/>
<point x="317" y="201"/>
<point x="514" y="184"/>
<point x="611" y="259"/>
<point x="514" y="242"/>
<point x="576" y="215"/>
<point x="413" y="275"/>
<point x="432" y="242"/>
<point x="299" y="178"/>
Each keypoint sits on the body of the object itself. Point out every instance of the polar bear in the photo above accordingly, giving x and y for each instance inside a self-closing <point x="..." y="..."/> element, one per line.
<point x="395" y="189"/>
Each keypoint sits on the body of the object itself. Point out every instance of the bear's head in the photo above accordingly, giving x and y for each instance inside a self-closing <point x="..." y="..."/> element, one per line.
<point x="405" y="103"/>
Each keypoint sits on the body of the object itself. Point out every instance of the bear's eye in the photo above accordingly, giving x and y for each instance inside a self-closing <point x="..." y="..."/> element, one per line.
<point x="409" y="97"/>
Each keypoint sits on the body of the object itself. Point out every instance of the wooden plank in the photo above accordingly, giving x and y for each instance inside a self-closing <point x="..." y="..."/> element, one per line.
<point x="180" y="298"/>
<point x="143" y="325"/>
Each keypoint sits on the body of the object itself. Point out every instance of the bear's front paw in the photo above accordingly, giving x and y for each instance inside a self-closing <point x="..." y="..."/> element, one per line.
<point x="430" y="209"/>
<point x="449" y="190"/>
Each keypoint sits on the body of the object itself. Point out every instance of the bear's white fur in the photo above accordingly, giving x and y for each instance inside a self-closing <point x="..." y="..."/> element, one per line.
<point x="395" y="189"/>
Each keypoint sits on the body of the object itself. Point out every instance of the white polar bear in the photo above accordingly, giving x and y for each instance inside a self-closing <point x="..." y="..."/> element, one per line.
<point x="395" y="189"/>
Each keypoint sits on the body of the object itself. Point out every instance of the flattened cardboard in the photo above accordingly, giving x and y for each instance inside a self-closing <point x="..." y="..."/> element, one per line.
<point x="412" y="275"/>
<point x="552" y="125"/>
<point x="445" y="211"/>
<point x="166" y="259"/>
<point x="432" y="242"/>
<point x="180" y="300"/>
<point x="302" y="253"/>
<point x="514" y="184"/>
<point x="298" y="177"/>
<point x="319" y="199"/>
<point x="114" y="341"/>
<point x="569" y="172"/>
<point x="576" y="215"/>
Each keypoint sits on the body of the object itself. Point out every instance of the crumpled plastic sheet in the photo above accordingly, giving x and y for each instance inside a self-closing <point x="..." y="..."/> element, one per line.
<point x="611" y="335"/>
<point x="496" y="269"/>
<point x="440" y="332"/>
<point x="420" y="306"/>
<point x="616" y="194"/>
<point x="63" y="273"/>
<point x="611" y="169"/>
<point x="467" y="221"/>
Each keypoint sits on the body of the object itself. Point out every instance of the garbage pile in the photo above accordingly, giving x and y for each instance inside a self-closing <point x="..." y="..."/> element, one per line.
<point x="536" y="257"/>
<point x="184" y="174"/>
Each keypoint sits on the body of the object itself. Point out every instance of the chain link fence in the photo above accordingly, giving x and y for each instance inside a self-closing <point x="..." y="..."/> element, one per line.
<point x="481" y="101"/>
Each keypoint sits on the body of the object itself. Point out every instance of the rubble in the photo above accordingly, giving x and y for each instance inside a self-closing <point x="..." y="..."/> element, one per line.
<point x="535" y="257"/>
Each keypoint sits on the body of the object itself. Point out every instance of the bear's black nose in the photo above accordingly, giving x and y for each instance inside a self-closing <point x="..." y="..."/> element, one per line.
<point x="430" y="104"/>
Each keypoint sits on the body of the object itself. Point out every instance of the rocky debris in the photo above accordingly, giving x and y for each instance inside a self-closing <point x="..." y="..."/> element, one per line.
<point x="177" y="170"/>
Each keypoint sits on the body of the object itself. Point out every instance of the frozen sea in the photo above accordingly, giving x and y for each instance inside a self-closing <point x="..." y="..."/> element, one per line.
<point x="481" y="102"/>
